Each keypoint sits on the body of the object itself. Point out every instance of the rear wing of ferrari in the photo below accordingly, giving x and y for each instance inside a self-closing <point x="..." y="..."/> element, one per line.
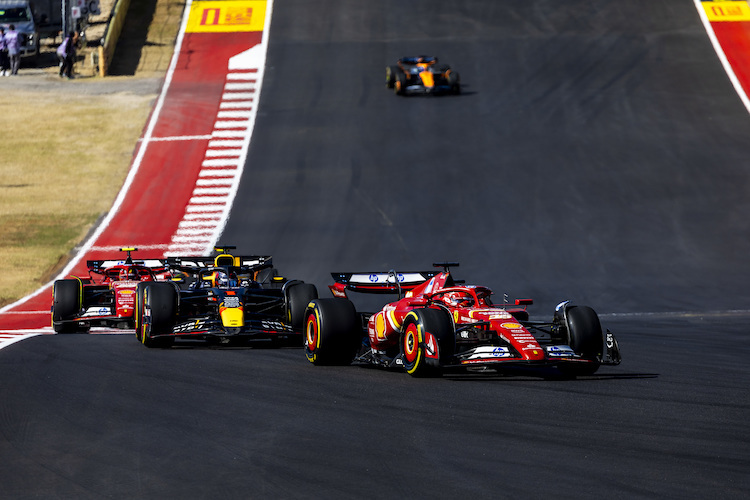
<point x="378" y="282"/>
<point x="98" y="266"/>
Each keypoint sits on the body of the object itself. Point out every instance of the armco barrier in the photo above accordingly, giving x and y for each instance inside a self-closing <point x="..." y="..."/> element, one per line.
<point x="112" y="34"/>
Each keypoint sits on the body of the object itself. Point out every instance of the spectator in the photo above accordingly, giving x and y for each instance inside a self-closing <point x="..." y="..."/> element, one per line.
<point x="11" y="42"/>
<point x="4" y="61"/>
<point x="66" y="52"/>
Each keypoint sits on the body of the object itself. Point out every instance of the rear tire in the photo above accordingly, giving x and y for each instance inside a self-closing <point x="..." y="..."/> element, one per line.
<point x="454" y="81"/>
<point x="66" y="306"/>
<point x="138" y="313"/>
<point x="265" y="276"/>
<point x="332" y="332"/>
<point x="428" y="342"/>
<point x="159" y="312"/>
<point x="585" y="338"/>
<point x="297" y="298"/>
<point x="399" y="85"/>
<point x="390" y="75"/>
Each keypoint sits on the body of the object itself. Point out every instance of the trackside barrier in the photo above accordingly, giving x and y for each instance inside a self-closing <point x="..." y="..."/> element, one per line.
<point x="112" y="34"/>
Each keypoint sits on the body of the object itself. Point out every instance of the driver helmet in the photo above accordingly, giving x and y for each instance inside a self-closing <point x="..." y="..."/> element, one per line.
<point x="129" y="274"/>
<point x="456" y="299"/>
<point x="220" y="279"/>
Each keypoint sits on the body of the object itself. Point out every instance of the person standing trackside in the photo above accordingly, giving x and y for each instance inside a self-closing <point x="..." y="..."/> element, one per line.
<point x="11" y="41"/>
<point x="66" y="52"/>
<point x="4" y="61"/>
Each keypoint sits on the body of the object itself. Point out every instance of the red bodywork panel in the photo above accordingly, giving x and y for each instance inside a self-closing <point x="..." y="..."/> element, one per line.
<point x="108" y="293"/>
<point x="467" y="304"/>
<point x="124" y="298"/>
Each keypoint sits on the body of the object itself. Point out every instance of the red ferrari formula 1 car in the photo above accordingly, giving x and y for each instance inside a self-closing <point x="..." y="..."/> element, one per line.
<point x="422" y="75"/>
<point x="108" y="299"/>
<point x="439" y="325"/>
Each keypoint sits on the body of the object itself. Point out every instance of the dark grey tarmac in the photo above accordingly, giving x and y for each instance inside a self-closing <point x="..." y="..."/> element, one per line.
<point x="598" y="153"/>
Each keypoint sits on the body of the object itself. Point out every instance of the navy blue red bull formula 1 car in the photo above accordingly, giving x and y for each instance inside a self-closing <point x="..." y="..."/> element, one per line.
<point x="437" y="325"/>
<point x="226" y="298"/>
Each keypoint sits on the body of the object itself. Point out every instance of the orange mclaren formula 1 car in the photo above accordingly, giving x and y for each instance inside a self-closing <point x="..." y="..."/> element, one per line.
<point x="104" y="298"/>
<point x="437" y="325"/>
<point x="422" y="75"/>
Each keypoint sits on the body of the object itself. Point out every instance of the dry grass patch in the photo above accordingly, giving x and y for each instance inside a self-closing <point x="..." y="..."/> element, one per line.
<point x="31" y="244"/>
<point x="53" y="188"/>
<point x="65" y="157"/>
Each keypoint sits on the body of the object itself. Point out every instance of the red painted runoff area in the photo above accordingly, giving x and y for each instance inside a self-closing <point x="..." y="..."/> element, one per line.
<point x="734" y="38"/>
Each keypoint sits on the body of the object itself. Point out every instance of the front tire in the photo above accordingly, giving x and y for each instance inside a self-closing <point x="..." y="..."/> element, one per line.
<point x="332" y="332"/>
<point x="158" y="314"/>
<point x="585" y="338"/>
<point x="66" y="306"/>
<point x="428" y="342"/>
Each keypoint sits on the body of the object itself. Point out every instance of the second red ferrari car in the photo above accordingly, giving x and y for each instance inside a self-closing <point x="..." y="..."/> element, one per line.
<point x="437" y="325"/>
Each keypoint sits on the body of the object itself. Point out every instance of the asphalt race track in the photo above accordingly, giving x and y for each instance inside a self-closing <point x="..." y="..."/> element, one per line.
<point x="598" y="153"/>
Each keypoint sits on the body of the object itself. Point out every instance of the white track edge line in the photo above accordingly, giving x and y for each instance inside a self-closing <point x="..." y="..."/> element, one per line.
<point x="722" y="56"/>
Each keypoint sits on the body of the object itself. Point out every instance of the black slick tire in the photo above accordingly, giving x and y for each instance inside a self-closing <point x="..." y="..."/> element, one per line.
<point x="585" y="338"/>
<point x="332" y="332"/>
<point x="66" y="306"/>
<point x="428" y="342"/>
<point x="454" y="81"/>
<point x="158" y="314"/>
<point x="399" y="84"/>
<point x="390" y="75"/>
<point x="297" y="298"/>
<point x="265" y="276"/>
<point x="138" y="312"/>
